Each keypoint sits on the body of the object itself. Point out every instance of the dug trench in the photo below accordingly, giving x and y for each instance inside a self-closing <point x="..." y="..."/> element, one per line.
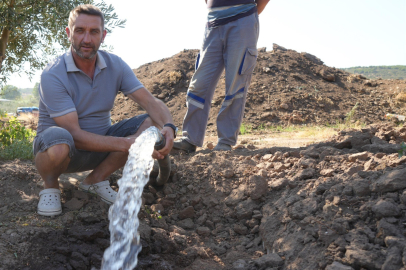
<point x="336" y="204"/>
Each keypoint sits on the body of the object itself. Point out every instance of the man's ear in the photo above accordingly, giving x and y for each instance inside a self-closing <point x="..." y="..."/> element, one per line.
<point x="104" y="35"/>
<point x="68" y="32"/>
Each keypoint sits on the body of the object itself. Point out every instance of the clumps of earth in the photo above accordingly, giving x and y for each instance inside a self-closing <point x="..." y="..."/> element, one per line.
<point x="335" y="205"/>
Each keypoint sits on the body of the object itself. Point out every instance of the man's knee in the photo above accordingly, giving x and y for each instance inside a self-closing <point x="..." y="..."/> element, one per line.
<point x="58" y="151"/>
<point x="51" y="137"/>
<point x="54" y="154"/>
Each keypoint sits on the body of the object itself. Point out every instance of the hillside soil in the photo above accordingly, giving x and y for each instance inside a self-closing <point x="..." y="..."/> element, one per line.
<point x="270" y="203"/>
<point x="287" y="88"/>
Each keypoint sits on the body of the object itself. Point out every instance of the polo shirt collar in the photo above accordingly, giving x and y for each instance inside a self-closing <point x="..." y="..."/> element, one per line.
<point x="70" y="63"/>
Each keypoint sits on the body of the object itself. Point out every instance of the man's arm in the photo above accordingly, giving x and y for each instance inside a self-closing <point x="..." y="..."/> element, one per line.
<point x="261" y="4"/>
<point x="90" y="141"/>
<point x="156" y="109"/>
<point x="158" y="112"/>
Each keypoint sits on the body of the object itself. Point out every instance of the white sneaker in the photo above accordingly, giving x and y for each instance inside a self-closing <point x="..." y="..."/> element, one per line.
<point x="102" y="189"/>
<point x="50" y="202"/>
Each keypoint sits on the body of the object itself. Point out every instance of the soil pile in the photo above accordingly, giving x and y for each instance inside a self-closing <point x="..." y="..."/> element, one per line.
<point x="335" y="205"/>
<point x="287" y="88"/>
<point x="340" y="204"/>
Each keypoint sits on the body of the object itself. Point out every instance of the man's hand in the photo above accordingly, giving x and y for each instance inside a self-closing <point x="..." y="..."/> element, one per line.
<point x="168" y="133"/>
<point x="159" y="114"/>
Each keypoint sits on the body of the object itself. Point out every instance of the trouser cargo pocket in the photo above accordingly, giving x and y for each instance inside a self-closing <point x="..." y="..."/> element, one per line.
<point x="248" y="62"/>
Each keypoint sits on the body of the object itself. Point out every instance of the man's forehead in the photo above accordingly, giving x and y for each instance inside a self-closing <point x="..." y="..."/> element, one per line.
<point x="85" y="20"/>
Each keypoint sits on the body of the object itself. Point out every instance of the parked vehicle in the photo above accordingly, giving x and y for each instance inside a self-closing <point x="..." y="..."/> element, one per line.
<point x="31" y="110"/>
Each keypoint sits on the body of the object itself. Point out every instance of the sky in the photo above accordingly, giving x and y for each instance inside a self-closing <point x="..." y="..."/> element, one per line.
<point x="343" y="33"/>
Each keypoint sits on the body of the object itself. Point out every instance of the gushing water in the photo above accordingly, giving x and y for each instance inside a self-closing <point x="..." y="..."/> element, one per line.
<point x="123" y="214"/>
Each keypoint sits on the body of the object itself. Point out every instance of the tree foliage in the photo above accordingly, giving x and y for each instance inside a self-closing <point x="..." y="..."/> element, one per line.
<point x="10" y="92"/>
<point x="30" y="29"/>
<point x="383" y="72"/>
<point x="35" y="92"/>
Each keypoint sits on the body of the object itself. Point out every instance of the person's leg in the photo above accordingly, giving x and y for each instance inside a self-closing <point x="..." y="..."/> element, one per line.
<point x="240" y="58"/>
<point x="52" y="149"/>
<point x="52" y="163"/>
<point x="210" y="65"/>
<point x="114" y="160"/>
<point x="104" y="164"/>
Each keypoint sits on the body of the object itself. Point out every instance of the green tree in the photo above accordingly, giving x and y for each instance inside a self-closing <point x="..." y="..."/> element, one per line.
<point x="35" y="91"/>
<point x="10" y="92"/>
<point x="30" y="29"/>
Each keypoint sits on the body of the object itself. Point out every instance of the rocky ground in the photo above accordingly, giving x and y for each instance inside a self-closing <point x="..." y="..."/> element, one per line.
<point x="339" y="204"/>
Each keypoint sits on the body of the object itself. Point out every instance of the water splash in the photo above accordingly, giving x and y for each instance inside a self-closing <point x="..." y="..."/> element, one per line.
<point x="123" y="214"/>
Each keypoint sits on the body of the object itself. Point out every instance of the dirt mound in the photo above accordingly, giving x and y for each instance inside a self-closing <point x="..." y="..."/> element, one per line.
<point x="340" y="204"/>
<point x="287" y="88"/>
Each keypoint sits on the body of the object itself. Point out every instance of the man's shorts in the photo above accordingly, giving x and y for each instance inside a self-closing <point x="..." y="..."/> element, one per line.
<point x="82" y="160"/>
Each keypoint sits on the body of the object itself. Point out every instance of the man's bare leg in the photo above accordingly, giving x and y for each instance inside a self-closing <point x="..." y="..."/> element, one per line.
<point x="114" y="160"/>
<point x="52" y="163"/>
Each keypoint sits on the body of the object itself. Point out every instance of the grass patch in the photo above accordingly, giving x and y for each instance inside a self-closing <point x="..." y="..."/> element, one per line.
<point x="289" y="128"/>
<point x="316" y="133"/>
<point x="245" y="129"/>
<point x="303" y="132"/>
<point x="19" y="149"/>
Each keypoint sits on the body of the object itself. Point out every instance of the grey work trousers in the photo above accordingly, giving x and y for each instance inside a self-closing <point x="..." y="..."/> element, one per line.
<point x="232" y="47"/>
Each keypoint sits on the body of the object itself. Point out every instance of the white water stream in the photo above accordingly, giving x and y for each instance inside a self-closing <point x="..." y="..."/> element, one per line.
<point x="123" y="214"/>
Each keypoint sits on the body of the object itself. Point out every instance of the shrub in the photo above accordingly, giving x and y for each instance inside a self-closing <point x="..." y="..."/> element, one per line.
<point x="350" y="115"/>
<point x="15" y="140"/>
<point x="175" y="76"/>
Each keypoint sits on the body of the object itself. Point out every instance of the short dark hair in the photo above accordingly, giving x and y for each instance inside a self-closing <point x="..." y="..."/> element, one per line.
<point x="84" y="9"/>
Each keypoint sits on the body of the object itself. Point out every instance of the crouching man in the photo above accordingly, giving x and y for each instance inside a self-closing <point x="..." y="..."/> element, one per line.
<point x="77" y="92"/>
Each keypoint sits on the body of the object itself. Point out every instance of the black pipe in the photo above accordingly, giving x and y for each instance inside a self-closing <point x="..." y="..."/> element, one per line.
<point x="164" y="164"/>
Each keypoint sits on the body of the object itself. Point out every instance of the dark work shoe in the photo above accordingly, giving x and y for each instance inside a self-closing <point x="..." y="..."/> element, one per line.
<point x="164" y="170"/>
<point x="222" y="147"/>
<point x="184" y="145"/>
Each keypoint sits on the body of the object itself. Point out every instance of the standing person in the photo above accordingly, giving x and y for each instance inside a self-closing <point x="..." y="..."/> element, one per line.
<point x="77" y="92"/>
<point x="230" y="43"/>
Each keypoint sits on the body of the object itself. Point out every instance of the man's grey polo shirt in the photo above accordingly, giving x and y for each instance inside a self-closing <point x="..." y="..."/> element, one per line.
<point x="64" y="88"/>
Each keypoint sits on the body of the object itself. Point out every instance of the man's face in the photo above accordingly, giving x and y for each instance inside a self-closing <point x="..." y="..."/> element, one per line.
<point x="86" y="35"/>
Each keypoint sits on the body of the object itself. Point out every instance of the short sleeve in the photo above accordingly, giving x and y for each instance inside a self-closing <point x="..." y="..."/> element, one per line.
<point x="54" y="95"/>
<point x="130" y="82"/>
